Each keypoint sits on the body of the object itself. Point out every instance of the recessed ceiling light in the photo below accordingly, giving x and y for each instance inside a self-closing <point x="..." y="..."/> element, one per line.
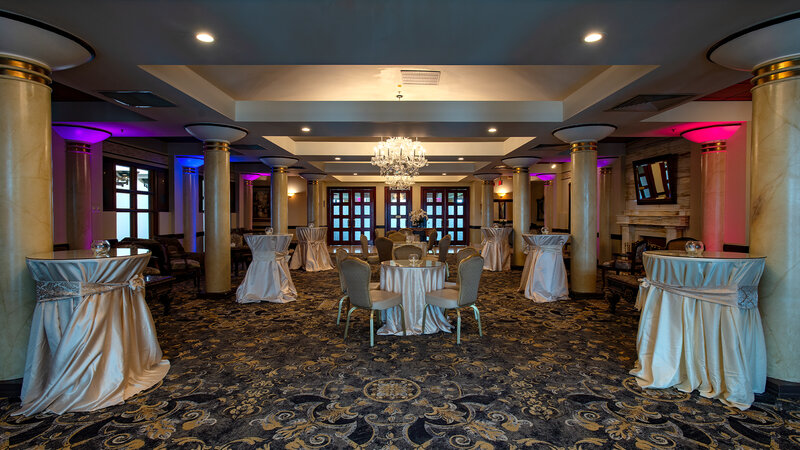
<point x="460" y="158"/>
<point x="592" y="37"/>
<point x="492" y="130"/>
<point x="337" y="158"/>
<point x="305" y="129"/>
<point x="444" y="173"/>
<point x="553" y="166"/>
<point x="205" y="37"/>
<point x="355" y="173"/>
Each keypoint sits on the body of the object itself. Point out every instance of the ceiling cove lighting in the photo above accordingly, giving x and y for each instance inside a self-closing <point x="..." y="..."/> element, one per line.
<point x="592" y="37"/>
<point x="205" y="37"/>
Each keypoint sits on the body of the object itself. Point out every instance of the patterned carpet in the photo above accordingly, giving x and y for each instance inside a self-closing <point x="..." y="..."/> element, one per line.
<point x="280" y="376"/>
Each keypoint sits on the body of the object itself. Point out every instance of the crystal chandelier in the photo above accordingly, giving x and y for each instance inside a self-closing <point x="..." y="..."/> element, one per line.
<point x="399" y="160"/>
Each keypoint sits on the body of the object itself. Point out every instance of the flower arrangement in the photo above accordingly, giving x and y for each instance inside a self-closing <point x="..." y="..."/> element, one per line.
<point x="418" y="217"/>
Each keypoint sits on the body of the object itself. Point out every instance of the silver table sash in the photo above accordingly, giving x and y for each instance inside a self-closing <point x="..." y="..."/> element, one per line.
<point x="700" y="328"/>
<point x="268" y="278"/>
<point x="93" y="342"/>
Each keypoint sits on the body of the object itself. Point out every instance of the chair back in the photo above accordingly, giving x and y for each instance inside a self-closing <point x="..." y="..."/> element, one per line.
<point x="679" y="243"/>
<point x="364" y="246"/>
<point x="469" y="278"/>
<point x="408" y="231"/>
<point x="341" y="254"/>
<point x="384" y="246"/>
<point x="404" y="251"/>
<point x="444" y="247"/>
<point x="432" y="235"/>
<point x="397" y="236"/>
<point x="356" y="275"/>
<point x="464" y="253"/>
<point x="173" y="246"/>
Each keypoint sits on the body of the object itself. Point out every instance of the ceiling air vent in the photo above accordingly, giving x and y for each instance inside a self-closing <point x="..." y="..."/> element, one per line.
<point x="138" y="99"/>
<point x="651" y="103"/>
<point x="421" y="77"/>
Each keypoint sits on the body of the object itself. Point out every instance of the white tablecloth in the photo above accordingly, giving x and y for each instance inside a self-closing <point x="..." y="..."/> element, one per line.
<point x="268" y="278"/>
<point x="496" y="252"/>
<point x="92" y="343"/>
<point x="700" y="327"/>
<point x="421" y="245"/>
<point x="413" y="282"/>
<point x="311" y="252"/>
<point x="544" y="277"/>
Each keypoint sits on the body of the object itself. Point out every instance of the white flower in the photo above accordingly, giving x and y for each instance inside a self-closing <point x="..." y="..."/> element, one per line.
<point x="418" y="216"/>
<point x="136" y="282"/>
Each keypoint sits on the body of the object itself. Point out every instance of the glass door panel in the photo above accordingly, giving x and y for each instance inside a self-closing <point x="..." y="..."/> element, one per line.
<point x="448" y="211"/>
<point x="398" y="207"/>
<point x="351" y="215"/>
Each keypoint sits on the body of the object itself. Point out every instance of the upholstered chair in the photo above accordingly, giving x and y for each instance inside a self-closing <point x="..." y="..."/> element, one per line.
<point x="432" y="235"/>
<point x="384" y="246"/>
<point x="679" y="243"/>
<point x="406" y="231"/>
<point x="342" y="254"/>
<point x="469" y="277"/>
<point x="444" y="247"/>
<point x="356" y="276"/>
<point x="365" y="254"/>
<point x="461" y="255"/>
<point x="405" y="251"/>
<point x="397" y="236"/>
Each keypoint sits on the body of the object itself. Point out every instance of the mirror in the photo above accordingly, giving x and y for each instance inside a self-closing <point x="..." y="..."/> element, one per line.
<point x="656" y="180"/>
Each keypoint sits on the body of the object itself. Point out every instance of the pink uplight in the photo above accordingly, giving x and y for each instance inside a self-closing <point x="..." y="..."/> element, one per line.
<point x="79" y="133"/>
<point x="712" y="133"/>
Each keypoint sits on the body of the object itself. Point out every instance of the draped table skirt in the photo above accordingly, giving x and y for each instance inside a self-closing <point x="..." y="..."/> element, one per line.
<point x="544" y="277"/>
<point x="413" y="282"/>
<point x="700" y="328"/>
<point x="268" y="278"/>
<point x="312" y="252"/>
<point x="496" y="251"/>
<point x="92" y="342"/>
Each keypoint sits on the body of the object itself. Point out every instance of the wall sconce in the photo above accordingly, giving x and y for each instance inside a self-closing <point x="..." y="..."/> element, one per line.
<point x="501" y="194"/>
<point x="291" y="194"/>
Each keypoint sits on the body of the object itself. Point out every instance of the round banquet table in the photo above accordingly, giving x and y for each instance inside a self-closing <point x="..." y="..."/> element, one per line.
<point x="496" y="252"/>
<point x="92" y="342"/>
<point x="413" y="281"/>
<point x="544" y="277"/>
<point x="700" y="328"/>
<point x="268" y="278"/>
<point x="312" y="251"/>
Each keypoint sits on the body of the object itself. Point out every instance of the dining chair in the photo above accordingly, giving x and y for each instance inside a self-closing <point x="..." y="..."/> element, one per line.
<point x="384" y="246"/>
<point x="356" y="276"/>
<point x="432" y="235"/>
<point x="365" y="254"/>
<point x="444" y="247"/>
<point x="679" y="243"/>
<point x="397" y="236"/>
<point x="405" y="251"/>
<point x="461" y="255"/>
<point x="406" y="231"/>
<point x="469" y="277"/>
<point x="340" y="255"/>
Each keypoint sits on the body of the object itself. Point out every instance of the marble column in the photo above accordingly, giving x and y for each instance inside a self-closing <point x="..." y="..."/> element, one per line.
<point x="604" y="217"/>
<point x="583" y="150"/>
<point x="217" y="202"/>
<point x="487" y="198"/>
<point x="549" y="204"/>
<point x="521" y="182"/>
<point x="247" y="203"/>
<point x="770" y="50"/>
<point x="314" y="197"/>
<point x="26" y="199"/>
<point x="279" y="191"/>
<point x="191" y="200"/>
<point x="79" y="141"/>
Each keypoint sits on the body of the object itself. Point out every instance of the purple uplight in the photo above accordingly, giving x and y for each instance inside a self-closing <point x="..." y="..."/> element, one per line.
<point x="79" y="133"/>
<point x="544" y="176"/>
<point x="604" y="162"/>
<point x="190" y="161"/>
<point x="250" y="176"/>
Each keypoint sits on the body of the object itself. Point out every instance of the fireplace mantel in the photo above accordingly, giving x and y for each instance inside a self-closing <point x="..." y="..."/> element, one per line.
<point x="668" y="223"/>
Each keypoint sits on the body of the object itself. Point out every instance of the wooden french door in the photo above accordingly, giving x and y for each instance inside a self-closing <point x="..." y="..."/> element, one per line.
<point x="351" y="213"/>
<point x="398" y="206"/>
<point x="448" y="211"/>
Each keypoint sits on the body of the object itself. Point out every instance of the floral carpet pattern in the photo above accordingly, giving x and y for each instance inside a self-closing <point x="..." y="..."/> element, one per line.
<point x="273" y="376"/>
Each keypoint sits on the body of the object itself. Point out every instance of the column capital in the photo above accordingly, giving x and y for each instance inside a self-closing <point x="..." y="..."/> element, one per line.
<point x="487" y="178"/>
<point x="521" y="163"/>
<point x="769" y="49"/>
<point x="584" y="134"/>
<point x="313" y="178"/>
<point x="78" y="134"/>
<point x="278" y="162"/>
<point x="215" y="134"/>
<point x="605" y="170"/>
<point x="189" y="170"/>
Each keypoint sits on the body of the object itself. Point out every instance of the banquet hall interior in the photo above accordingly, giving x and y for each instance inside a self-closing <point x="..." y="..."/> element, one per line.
<point x="376" y="224"/>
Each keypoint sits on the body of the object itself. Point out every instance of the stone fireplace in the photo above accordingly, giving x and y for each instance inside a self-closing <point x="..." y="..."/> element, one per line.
<point x="670" y="224"/>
